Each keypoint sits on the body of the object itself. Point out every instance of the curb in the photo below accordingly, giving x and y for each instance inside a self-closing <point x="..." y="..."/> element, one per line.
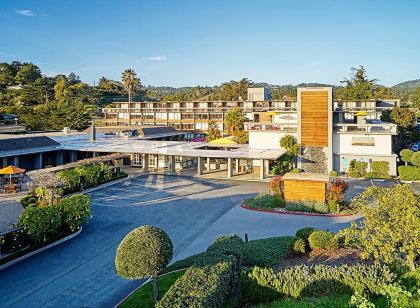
<point x="32" y="253"/>
<point x="143" y="284"/>
<point x="295" y="213"/>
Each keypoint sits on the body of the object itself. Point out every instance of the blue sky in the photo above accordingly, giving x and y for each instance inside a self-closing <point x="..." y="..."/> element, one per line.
<point x="186" y="43"/>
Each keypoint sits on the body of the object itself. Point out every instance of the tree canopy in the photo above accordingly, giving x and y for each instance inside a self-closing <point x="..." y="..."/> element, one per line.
<point x="390" y="230"/>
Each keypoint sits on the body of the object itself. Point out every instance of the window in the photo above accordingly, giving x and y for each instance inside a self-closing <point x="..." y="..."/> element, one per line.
<point x="363" y="141"/>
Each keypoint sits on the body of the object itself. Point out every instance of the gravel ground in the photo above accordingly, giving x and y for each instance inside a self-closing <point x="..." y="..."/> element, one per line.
<point x="10" y="210"/>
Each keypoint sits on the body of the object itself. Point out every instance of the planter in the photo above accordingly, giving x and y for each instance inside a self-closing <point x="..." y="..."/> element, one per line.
<point x="32" y="252"/>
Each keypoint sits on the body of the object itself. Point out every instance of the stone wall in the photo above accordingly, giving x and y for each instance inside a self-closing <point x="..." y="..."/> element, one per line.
<point x="313" y="159"/>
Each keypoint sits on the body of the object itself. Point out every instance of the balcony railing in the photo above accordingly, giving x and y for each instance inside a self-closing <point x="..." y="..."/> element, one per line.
<point x="384" y="128"/>
<point x="273" y="127"/>
<point x="208" y="109"/>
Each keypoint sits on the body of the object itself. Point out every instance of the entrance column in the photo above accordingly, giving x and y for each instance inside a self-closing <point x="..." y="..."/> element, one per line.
<point x="4" y="161"/>
<point x="171" y="164"/>
<point x="237" y="166"/>
<point x="199" y="166"/>
<point x="262" y="173"/>
<point x="16" y="161"/>
<point x="230" y="167"/>
<point x="73" y="156"/>
<point x="267" y="166"/>
<point x="208" y="163"/>
<point x="145" y="162"/>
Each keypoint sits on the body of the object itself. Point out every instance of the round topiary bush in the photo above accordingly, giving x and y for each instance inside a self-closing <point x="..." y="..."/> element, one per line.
<point x="322" y="240"/>
<point x="143" y="252"/>
<point x="415" y="159"/>
<point x="406" y="155"/>
<point x="304" y="233"/>
<point x="299" y="246"/>
<point x="228" y="245"/>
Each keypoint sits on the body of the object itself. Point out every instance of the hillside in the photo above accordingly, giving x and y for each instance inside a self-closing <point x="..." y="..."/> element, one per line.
<point x="407" y="86"/>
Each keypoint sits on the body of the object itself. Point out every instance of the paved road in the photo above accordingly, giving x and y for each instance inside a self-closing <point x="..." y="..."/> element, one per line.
<point x="193" y="212"/>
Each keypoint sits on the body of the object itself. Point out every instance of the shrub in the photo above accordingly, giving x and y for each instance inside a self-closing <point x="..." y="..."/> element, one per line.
<point x="332" y="206"/>
<point x="380" y="170"/>
<point x="305" y="232"/>
<point x="41" y="223"/>
<point x="76" y="211"/>
<point x="406" y="155"/>
<point x="409" y="173"/>
<point x="267" y="251"/>
<point x="90" y="172"/>
<point x="228" y="245"/>
<point x="265" y="201"/>
<point x="299" y="246"/>
<point x="203" y="285"/>
<point x="275" y="186"/>
<point x="144" y="252"/>
<point x="415" y="159"/>
<point x="307" y="207"/>
<point x="314" y="280"/>
<point x="29" y="200"/>
<point x="358" y="169"/>
<point x="390" y="230"/>
<point x="333" y="173"/>
<point x="295" y="170"/>
<point x="337" y="190"/>
<point x="322" y="240"/>
<point x="70" y="178"/>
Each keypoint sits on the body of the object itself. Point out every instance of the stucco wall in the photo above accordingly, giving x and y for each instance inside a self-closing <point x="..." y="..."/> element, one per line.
<point x="342" y="143"/>
<point x="266" y="139"/>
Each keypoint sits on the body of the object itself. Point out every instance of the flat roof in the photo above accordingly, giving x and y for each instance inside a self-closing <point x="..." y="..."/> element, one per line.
<point x="178" y="148"/>
<point x="306" y="176"/>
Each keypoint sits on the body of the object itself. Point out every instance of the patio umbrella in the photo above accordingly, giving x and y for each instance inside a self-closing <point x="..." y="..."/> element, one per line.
<point x="11" y="170"/>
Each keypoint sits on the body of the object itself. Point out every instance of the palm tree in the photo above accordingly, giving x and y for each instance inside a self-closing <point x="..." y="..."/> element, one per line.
<point x="235" y="119"/>
<point x="130" y="80"/>
<point x="213" y="131"/>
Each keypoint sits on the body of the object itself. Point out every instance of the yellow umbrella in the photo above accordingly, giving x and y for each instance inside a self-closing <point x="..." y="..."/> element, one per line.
<point x="223" y="141"/>
<point x="11" y="170"/>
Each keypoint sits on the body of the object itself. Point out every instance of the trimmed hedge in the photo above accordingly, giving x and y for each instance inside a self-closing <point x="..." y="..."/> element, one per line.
<point x="228" y="245"/>
<point x="307" y="207"/>
<point x="379" y="170"/>
<point x="358" y="169"/>
<point x="409" y="173"/>
<point x="267" y="251"/>
<point x="322" y="240"/>
<point x="313" y="281"/>
<point x="206" y="284"/>
<point x="305" y="232"/>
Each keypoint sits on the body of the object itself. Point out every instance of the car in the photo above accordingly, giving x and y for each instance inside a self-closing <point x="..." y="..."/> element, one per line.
<point x="416" y="147"/>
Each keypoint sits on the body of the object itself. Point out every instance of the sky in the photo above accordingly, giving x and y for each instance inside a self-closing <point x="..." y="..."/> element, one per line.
<point x="188" y="43"/>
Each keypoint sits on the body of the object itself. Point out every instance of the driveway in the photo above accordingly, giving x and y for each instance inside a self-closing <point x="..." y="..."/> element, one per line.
<point x="192" y="211"/>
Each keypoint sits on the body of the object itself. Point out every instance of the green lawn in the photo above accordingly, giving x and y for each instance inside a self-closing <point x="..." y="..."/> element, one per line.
<point x="143" y="297"/>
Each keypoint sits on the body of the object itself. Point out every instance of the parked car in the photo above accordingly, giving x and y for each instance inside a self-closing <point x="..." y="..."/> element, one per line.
<point x="416" y="147"/>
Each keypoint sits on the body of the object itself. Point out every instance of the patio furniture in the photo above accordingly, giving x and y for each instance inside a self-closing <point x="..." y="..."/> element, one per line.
<point x="10" y="170"/>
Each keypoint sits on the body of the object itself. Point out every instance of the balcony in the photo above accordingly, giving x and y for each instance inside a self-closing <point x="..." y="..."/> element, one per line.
<point x="384" y="128"/>
<point x="287" y="128"/>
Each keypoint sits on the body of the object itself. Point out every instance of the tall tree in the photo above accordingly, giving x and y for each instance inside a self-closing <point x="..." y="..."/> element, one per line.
<point x="213" y="131"/>
<point x="358" y="86"/>
<point x="235" y="119"/>
<point x="130" y="80"/>
<point x="235" y="90"/>
<point x="27" y="74"/>
<point x="405" y="120"/>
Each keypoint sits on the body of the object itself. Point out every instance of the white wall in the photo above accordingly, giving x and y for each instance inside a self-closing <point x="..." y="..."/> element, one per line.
<point x="268" y="140"/>
<point x="342" y="143"/>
